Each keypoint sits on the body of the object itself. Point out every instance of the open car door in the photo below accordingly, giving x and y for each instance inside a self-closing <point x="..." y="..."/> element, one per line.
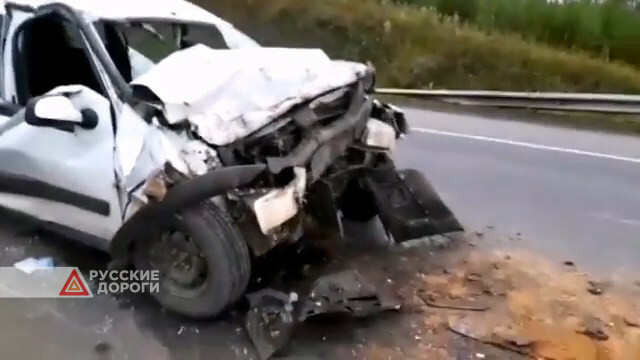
<point x="54" y="165"/>
<point x="59" y="170"/>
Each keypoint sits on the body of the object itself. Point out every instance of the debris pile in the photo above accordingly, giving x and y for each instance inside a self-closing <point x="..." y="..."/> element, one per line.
<point x="525" y="305"/>
<point x="274" y="314"/>
<point x="466" y="302"/>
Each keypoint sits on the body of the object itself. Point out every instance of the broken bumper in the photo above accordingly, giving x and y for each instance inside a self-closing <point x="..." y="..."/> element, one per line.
<point x="321" y="146"/>
<point x="408" y="205"/>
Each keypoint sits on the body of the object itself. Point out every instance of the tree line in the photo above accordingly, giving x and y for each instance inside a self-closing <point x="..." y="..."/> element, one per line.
<point x="606" y="28"/>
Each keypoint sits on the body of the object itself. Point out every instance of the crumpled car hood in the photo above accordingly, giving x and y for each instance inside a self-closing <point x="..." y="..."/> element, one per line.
<point x="228" y="94"/>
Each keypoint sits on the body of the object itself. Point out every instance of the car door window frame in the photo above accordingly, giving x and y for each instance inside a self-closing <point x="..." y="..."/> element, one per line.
<point x="91" y="43"/>
<point x="3" y="16"/>
<point x="20" y="72"/>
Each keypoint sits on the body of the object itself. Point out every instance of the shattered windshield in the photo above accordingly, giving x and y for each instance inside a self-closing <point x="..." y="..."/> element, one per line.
<point x="135" y="47"/>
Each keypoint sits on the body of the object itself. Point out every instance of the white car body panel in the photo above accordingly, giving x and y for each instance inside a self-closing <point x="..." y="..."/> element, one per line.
<point x="228" y="94"/>
<point x="81" y="160"/>
<point x="224" y="94"/>
<point x="60" y="213"/>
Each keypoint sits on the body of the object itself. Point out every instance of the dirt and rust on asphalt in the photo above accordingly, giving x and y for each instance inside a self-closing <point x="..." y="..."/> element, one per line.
<point x="471" y="301"/>
<point x="472" y="298"/>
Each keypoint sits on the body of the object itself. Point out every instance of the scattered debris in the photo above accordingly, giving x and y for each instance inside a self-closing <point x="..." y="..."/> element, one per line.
<point x="467" y="327"/>
<point x="348" y="292"/>
<point x="512" y="338"/>
<point x="594" y="328"/>
<point x="14" y="251"/>
<point x="453" y="306"/>
<point x="434" y="241"/>
<point x="474" y="277"/>
<point x="30" y="265"/>
<point x="631" y="322"/>
<point x="102" y="348"/>
<point x="106" y="325"/>
<point x="270" y="321"/>
<point x="596" y="288"/>
<point x="488" y="331"/>
<point x="273" y="314"/>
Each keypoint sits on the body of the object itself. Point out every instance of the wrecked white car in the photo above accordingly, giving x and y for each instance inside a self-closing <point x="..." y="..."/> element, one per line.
<point x="158" y="132"/>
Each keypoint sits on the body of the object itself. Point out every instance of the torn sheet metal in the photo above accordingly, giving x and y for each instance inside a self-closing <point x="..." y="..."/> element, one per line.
<point x="228" y="94"/>
<point x="348" y="292"/>
<point x="273" y="314"/>
<point x="270" y="320"/>
<point x="162" y="146"/>
<point x="199" y="158"/>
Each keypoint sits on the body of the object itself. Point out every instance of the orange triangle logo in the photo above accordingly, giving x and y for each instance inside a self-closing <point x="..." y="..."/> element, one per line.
<point x="74" y="286"/>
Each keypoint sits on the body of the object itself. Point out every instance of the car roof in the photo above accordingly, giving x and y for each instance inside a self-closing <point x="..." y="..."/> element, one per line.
<point x="179" y="10"/>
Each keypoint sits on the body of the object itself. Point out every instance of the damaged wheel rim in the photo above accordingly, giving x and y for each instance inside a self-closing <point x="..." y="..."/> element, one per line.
<point x="182" y="266"/>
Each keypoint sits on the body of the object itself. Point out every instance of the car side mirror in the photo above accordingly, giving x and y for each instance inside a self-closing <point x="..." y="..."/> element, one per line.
<point x="57" y="111"/>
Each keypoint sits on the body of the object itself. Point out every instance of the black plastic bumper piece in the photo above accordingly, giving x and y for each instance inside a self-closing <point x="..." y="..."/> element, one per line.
<point x="408" y="205"/>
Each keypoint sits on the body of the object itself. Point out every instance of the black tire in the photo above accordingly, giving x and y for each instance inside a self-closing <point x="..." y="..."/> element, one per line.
<point x="357" y="203"/>
<point x="227" y="260"/>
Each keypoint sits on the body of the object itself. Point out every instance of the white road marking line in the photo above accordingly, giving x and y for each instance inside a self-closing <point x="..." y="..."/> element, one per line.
<point x="529" y="145"/>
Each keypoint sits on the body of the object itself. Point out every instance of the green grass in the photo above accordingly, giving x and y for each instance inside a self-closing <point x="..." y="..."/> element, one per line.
<point x="608" y="29"/>
<point x="416" y="47"/>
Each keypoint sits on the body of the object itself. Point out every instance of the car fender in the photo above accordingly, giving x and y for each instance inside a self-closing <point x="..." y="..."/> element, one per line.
<point x="180" y="196"/>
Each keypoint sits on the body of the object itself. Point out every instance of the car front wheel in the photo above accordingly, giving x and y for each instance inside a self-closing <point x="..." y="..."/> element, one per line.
<point x="202" y="259"/>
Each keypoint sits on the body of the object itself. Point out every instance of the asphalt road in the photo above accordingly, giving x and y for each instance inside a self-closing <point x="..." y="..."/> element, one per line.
<point x="569" y="194"/>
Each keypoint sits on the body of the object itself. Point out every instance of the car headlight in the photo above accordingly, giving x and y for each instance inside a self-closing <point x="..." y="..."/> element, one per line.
<point x="379" y="134"/>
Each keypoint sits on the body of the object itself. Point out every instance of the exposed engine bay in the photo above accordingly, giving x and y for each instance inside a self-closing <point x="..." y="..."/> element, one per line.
<point x="317" y="156"/>
<point x="326" y="157"/>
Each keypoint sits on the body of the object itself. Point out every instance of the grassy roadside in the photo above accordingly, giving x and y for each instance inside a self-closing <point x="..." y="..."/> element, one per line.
<point x="415" y="47"/>
<point x="608" y="29"/>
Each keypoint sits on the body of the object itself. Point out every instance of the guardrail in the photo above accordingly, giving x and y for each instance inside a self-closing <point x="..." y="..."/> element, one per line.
<point x="584" y="102"/>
